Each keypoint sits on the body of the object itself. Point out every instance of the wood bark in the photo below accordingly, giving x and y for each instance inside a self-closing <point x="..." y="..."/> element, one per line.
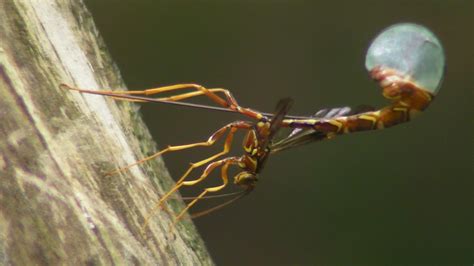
<point x="56" y="204"/>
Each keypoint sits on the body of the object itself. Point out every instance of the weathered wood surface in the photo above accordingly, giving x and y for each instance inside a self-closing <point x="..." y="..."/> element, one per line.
<point x="56" y="205"/>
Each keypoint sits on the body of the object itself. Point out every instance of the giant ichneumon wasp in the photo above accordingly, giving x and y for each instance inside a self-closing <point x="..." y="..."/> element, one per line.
<point x="407" y="60"/>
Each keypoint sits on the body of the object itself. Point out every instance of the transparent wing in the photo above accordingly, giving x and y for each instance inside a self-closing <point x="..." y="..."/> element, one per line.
<point x="301" y="136"/>
<point x="281" y="110"/>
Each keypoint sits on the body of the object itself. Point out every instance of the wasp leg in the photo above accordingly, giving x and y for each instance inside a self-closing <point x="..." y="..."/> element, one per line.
<point x="232" y="102"/>
<point x="232" y="127"/>
<point x="203" y="91"/>
<point x="227" y="144"/>
<point x="225" y="180"/>
<point x="205" y="173"/>
<point x="229" y="101"/>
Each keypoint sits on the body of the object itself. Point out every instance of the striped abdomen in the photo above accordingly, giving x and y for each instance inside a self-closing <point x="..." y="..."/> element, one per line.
<point x="411" y="102"/>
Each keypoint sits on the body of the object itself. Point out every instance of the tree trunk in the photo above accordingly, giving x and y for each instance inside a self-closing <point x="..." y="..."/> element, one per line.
<point x="56" y="204"/>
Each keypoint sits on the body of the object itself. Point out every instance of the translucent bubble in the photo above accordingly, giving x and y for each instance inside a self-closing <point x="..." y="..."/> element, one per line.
<point x="413" y="51"/>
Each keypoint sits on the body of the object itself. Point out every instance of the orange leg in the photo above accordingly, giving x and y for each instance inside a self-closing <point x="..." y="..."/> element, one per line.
<point x="157" y="90"/>
<point x="181" y="183"/>
<point x="232" y="127"/>
<point x="229" y="101"/>
<point x="225" y="180"/>
<point x="227" y="144"/>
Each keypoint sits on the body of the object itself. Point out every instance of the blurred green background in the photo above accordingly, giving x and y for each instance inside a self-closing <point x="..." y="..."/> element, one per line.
<point x="403" y="195"/>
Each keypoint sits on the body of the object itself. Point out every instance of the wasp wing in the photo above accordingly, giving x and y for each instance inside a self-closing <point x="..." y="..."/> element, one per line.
<point x="301" y="136"/>
<point x="282" y="108"/>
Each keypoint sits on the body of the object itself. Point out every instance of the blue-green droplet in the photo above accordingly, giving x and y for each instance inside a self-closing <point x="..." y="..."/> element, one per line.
<point x="413" y="51"/>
